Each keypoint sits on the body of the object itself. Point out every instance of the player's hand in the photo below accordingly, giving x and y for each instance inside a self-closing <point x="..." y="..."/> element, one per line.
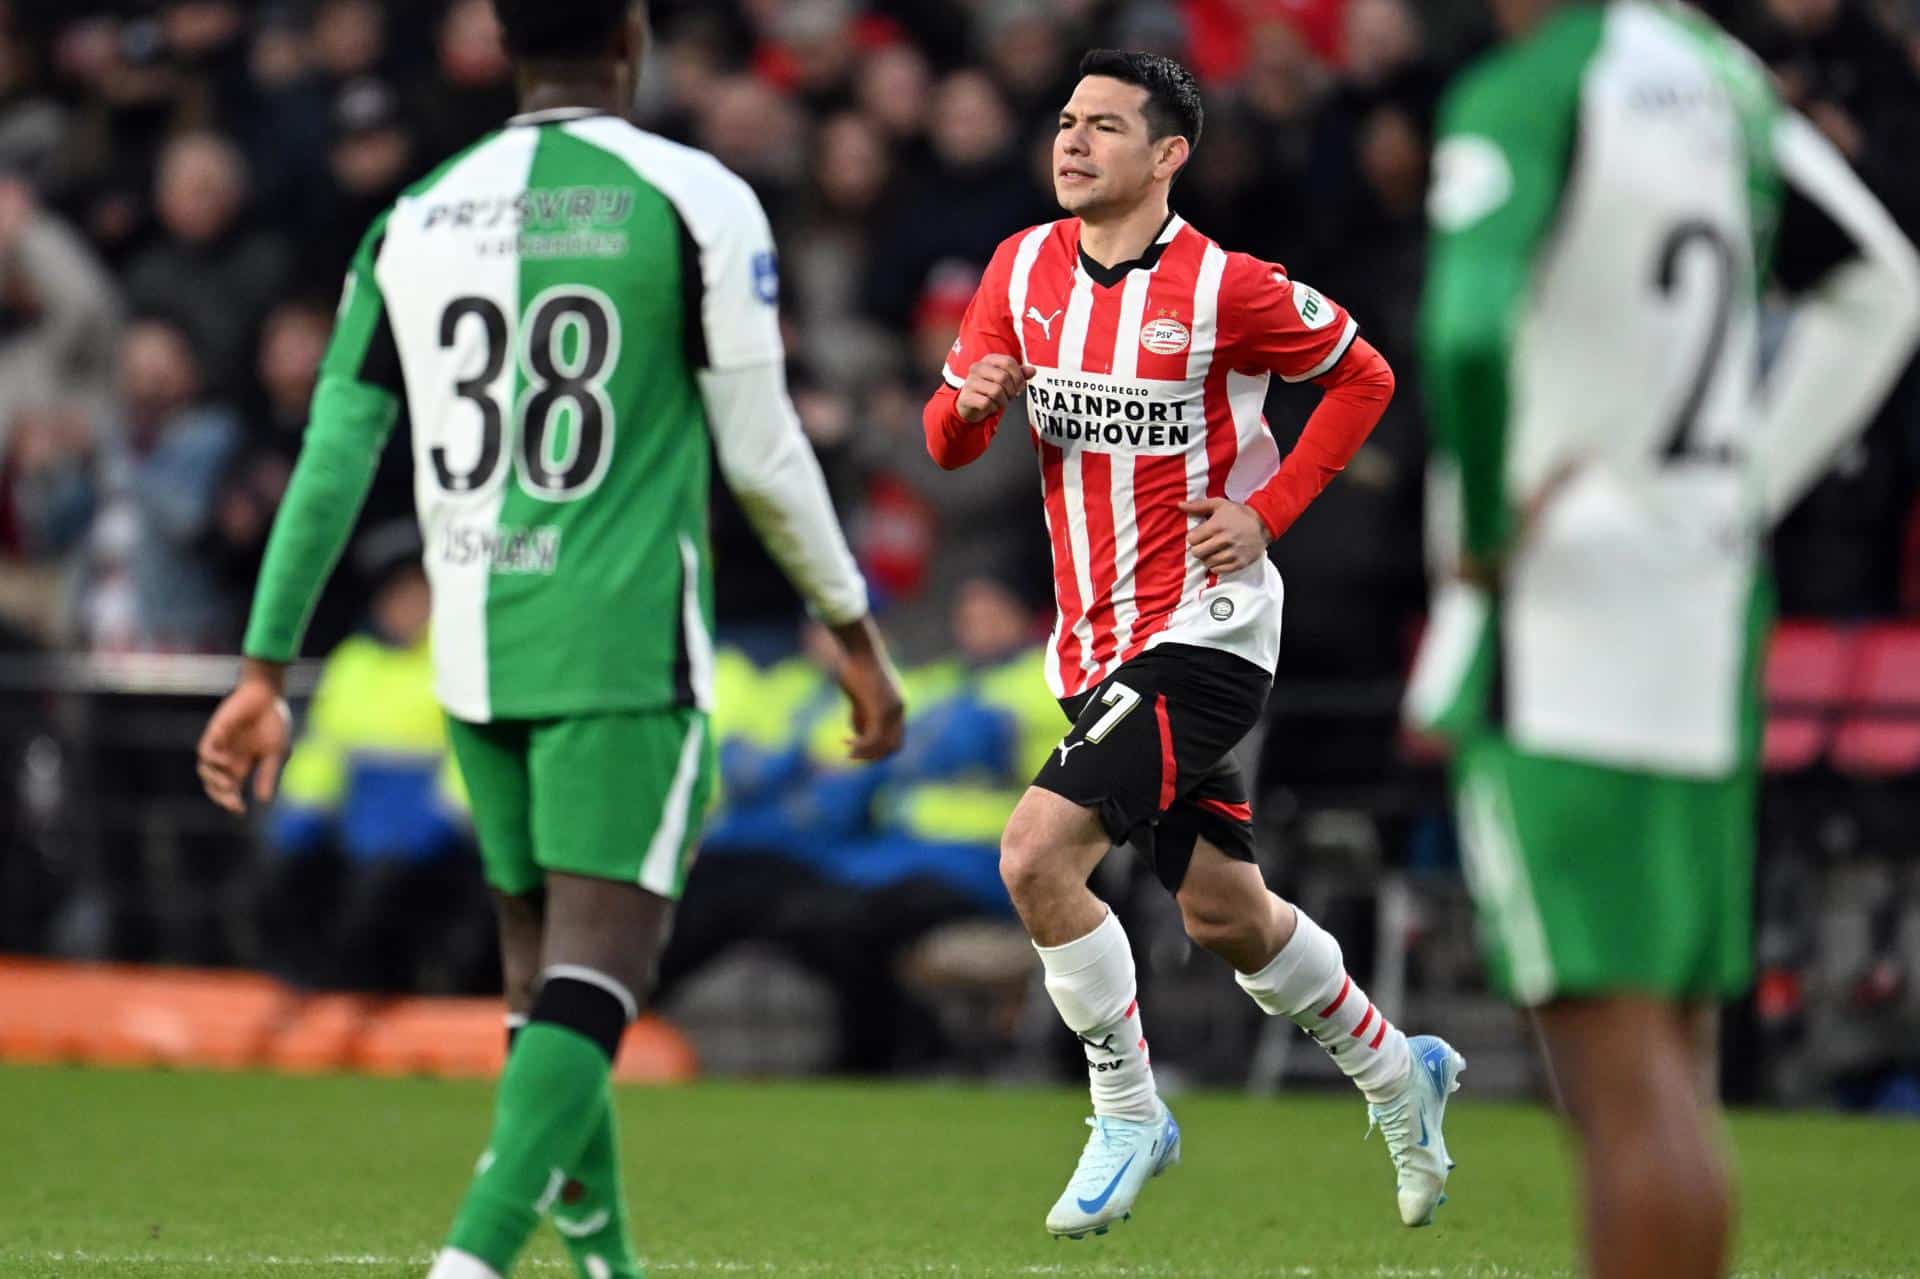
<point x="247" y="737"/>
<point x="991" y="383"/>
<point x="872" y="689"/>
<point x="1230" y="536"/>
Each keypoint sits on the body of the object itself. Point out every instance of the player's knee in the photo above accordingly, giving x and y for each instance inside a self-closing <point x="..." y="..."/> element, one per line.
<point x="1025" y="867"/>
<point x="1218" y="926"/>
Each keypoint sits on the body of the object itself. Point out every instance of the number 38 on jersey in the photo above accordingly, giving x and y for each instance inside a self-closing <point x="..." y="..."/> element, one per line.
<point x="536" y="385"/>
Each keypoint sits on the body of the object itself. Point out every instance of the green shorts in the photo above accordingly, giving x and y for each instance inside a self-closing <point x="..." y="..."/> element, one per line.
<point x="1592" y="880"/>
<point x="617" y="796"/>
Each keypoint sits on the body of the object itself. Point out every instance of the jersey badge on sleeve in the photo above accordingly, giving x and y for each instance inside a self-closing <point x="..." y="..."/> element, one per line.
<point x="1471" y="179"/>
<point x="766" y="277"/>
<point x="1315" y="311"/>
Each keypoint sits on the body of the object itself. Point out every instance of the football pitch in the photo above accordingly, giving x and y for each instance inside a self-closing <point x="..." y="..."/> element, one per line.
<point x="155" y="1175"/>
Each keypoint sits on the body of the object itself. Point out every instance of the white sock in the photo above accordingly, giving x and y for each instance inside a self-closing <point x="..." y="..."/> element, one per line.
<point x="451" y="1263"/>
<point x="1091" y="981"/>
<point x="1307" y="983"/>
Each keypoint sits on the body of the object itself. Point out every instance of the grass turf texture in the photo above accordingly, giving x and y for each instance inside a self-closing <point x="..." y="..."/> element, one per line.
<point x="158" y="1175"/>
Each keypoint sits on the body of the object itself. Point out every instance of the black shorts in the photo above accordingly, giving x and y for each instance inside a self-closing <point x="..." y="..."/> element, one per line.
<point x="1149" y="752"/>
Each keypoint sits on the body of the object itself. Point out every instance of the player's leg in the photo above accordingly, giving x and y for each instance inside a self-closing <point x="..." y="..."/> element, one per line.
<point x="1618" y="903"/>
<point x="1050" y="847"/>
<point x="590" y="1202"/>
<point x="1293" y="968"/>
<point x="619" y="802"/>
<point x="1658" y="1198"/>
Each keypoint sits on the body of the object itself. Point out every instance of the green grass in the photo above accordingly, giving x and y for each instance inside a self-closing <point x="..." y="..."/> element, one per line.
<point x="157" y="1176"/>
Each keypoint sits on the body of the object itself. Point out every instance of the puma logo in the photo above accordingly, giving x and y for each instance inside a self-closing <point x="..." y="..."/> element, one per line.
<point x="1044" y="321"/>
<point x="1066" y="748"/>
<point x="1104" y="1045"/>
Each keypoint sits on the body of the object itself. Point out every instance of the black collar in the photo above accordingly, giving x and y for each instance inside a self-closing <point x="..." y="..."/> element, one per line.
<point x="1108" y="276"/>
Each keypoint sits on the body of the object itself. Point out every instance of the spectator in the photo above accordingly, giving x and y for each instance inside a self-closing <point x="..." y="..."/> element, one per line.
<point x="1280" y="100"/>
<point x="473" y="92"/>
<point x="1386" y="62"/>
<point x="756" y="132"/>
<point x="214" y="276"/>
<point x="33" y="125"/>
<point x="893" y="90"/>
<point x="133" y="502"/>
<point x="370" y="160"/>
<point x="59" y="311"/>
<point x="810" y="52"/>
<point x="206" y="41"/>
<point x="349" y="39"/>
<point x="288" y="127"/>
<point x="825" y="260"/>
<point x="1025" y="48"/>
<point x="976" y="194"/>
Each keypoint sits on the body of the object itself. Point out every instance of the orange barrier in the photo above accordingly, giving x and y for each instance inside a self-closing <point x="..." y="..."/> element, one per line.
<point x="106" y="1014"/>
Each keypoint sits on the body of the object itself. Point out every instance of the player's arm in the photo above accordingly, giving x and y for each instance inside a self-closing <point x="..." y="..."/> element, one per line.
<point x="355" y="404"/>
<point x="1277" y="325"/>
<point x="1504" y="142"/>
<point x="733" y="344"/>
<point x="1855" y="318"/>
<point x="983" y="373"/>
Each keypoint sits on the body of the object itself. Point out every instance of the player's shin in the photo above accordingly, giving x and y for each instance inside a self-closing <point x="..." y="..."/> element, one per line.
<point x="1091" y="980"/>
<point x="552" y="1097"/>
<point x="591" y="1213"/>
<point x="1307" y="983"/>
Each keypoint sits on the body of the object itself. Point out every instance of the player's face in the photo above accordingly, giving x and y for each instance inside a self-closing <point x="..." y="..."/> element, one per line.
<point x="1103" y="158"/>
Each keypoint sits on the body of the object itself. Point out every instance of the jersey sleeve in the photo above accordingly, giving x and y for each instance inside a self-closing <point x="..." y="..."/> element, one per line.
<point x="987" y="328"/>
<point x="1855" y="318"/>
<point x="355" y="404"/>
<point x="729" y="277"/>
<point x="1272" y="323"/>
<point x="1503" y="145"/>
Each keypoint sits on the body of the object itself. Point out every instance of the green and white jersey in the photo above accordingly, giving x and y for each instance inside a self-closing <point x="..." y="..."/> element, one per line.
<point x="1606" y="193"/>
<point x="548" y="302"/>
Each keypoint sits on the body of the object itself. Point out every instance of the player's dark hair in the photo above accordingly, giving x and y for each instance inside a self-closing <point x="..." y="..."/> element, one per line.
<point x="560" y="29"/>
<point x="1173" y="95"/>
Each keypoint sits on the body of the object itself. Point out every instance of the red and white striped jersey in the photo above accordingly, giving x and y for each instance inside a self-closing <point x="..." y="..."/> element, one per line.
<point x="1150" y="381"/>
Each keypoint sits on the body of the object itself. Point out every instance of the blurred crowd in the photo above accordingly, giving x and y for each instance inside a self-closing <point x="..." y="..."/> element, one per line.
<point x="182" y="181"/>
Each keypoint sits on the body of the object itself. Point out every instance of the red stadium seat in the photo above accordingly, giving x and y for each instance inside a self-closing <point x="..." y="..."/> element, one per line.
<point x="1808" y="667"/>
<point x="1881" y="735"/>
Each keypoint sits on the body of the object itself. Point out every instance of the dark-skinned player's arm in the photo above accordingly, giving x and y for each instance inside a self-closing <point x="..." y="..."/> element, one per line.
<point x="984" y="372"/>
<point x="732" y="330"/>
<point x="1272" y="324"/>
<point x="355" y="404"/>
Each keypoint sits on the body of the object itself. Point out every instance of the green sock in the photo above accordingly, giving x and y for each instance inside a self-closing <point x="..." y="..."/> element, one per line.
<point x="552" y="1096"/>
<point x="591" y="1214"/>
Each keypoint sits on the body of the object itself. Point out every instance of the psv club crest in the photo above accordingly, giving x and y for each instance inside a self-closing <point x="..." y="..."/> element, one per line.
<point x="1165" y="334"/>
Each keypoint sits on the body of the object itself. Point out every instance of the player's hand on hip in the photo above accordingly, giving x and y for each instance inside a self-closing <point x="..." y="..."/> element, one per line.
<point x="1230" y="535"/>
<point x="991" y="385"/>
<point x="873" y="691"/>
<point x="247" y="737"/>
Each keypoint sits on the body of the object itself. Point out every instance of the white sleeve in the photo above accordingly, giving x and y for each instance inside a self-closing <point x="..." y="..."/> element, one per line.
<point x="772" y="471"/>
<point x="1850" y="336"/>
<point x="738" y="283"/>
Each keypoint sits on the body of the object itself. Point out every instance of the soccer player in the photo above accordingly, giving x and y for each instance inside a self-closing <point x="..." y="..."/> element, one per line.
<point x="1609" y="190"/>
<point x="1144" y="351"/>
<point x="570" y="309"/>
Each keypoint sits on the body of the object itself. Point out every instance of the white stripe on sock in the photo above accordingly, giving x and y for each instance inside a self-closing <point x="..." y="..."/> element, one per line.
<point x="594" y="977"/>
